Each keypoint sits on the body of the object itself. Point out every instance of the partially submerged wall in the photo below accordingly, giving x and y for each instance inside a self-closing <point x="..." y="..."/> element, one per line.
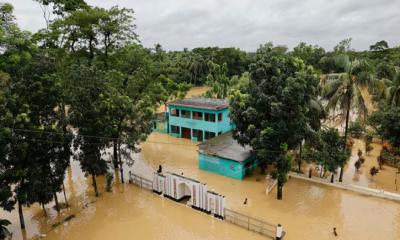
<point x="178" y="187"/>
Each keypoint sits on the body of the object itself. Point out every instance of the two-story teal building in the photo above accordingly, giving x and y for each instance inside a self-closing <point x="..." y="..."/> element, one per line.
<point x="207" y="120"/>
<point x="198" y="119"/>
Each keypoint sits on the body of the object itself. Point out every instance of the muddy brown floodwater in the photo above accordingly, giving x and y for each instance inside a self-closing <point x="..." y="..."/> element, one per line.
<point x="307" y="211"/>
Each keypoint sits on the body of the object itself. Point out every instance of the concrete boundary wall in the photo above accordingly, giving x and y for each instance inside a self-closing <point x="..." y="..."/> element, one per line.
<point x="351" y="187"/>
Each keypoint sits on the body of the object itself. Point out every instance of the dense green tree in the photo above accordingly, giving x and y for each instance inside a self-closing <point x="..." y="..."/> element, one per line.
<point x="345" y="92"/>
<point x="311" y="55"/>
<point x="3" y="228"/>
<point x="272" y="114"/>
<point x="31" y="97"/>
<point x="385" y="70"/>
<point x="393" y="91"/>
<point x="88" y="114"/>
<point x="328" y="150"/>
<point x="236" y="60"/>
<point x="390" y="125"/>
<point x="62" y="7"/>
<point x="217" y="80"/>
<point x="343" y="46"/>
<point x="379" y="46"/>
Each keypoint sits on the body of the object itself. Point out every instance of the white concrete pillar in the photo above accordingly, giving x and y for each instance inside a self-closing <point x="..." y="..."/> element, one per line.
<point x="279" y="232"/>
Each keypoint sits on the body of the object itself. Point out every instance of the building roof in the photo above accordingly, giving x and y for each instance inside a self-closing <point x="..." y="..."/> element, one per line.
<point x="225" y="146"/>
<point x="203" y="103"/>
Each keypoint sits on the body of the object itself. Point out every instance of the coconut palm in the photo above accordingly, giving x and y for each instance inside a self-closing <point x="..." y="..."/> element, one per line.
<point x="345" y="92"/>
<point x="3" y="230"/>
<point x="393" y="91"/>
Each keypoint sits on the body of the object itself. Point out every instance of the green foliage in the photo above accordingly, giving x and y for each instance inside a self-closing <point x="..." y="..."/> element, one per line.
<point x="217" y="80"/>
<point x="311" y="55"/>
<point x="273" y="111"/>
<point x="391" y="158"/>
<point x="3" y="228"/>
<point x="328" y="149"/>
<point x="390" y="125"/>
<point x="343" y="46"/>
<point x="379" y="46"/>
<point x="356" y="129"/>
<point x="345" y="92"/>
<point x="62" y="7"/>
<point x="385" y="71"/>
<point x="393" y="91"/>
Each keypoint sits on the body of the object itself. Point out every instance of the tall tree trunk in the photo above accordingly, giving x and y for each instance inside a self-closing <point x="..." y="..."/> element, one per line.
<point x="95" y="185"/>
<point x="21" y="216"/>
<point x="65" y="195"/>
<point x="56" y="201"/>
<point x="279" y="192"/>
<point x="121" y="169"/>
<point x="332" y="177"/>
<point x="115" y="154"/>
<point x="346" y="133"/>
<point x="300" y="151"/>
<point x="44" y="210"/>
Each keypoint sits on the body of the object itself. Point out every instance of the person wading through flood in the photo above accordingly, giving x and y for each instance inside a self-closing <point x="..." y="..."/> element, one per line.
<point x="245" y="201"/>
<point x="334" y="232"/>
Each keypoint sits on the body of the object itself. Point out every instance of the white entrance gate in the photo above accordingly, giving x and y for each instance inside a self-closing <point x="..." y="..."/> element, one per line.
<point x="178" y="187"/>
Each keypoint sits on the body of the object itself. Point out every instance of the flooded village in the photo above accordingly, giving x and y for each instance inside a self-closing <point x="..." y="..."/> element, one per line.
<point x="203" y="120"/>
<point x="309" y="210"/>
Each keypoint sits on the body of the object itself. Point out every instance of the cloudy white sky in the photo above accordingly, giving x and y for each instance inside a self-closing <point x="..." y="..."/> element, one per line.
<point x="246" y="24"/>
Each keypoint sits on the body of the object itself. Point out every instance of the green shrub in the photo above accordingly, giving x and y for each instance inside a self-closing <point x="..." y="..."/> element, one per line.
<point x="356" y="129"/>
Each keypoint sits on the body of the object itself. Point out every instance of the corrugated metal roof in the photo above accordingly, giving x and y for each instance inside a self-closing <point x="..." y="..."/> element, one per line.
<point x="225" y="146"/>
<point x="204" y="103"/>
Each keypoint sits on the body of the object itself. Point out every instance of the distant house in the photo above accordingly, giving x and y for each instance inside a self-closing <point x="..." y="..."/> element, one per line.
<point x="198" y="119"/>
<point x="224" y="156"/>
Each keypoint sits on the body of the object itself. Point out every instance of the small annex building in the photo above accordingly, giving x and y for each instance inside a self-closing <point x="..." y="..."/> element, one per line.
<point x="225" y="156"/>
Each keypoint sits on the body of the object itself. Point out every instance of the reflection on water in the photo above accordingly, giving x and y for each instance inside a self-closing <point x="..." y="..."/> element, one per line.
<point x="308" y="211"/>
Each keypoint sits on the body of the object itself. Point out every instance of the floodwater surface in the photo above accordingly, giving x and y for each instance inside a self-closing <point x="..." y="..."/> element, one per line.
<point x="307" y="211"/>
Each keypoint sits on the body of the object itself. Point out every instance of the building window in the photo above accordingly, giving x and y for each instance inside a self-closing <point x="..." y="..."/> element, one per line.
<point x="208" y="135"/>
<point x="219" y="117"/>
<point x="197" y="115"/>
<point x="185" y="113"/>
<point x="175" y="129"/>
<point x="175" y="112"/>
<point x="209" y="117"/>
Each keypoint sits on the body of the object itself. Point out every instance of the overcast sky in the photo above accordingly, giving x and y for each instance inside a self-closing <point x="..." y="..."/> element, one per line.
<point x="246" y="24"/>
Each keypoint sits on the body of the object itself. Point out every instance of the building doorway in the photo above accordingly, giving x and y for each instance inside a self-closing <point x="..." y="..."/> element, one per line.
<point x="198" y="134"/>
<point x="186" y="133"/>
<point x="185" y="191"/>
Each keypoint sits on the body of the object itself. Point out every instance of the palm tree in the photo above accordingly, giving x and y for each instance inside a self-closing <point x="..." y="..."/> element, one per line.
<point x="3" y="230"/>
<point x="346" y="91"/>
<point x="393" y="91"/>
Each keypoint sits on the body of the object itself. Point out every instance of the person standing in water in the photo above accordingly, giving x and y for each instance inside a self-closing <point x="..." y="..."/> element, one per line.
<point x="334" y="232"/>
<point x="245" y="201"/>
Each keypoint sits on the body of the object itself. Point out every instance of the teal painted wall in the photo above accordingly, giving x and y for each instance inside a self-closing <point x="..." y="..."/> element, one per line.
<point x="223" y="126"/>
<point x="161" y="125"/>
<point x="222" y="166"/>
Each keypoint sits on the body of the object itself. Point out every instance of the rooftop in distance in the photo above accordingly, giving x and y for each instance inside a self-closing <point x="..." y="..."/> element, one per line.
<point x="204" y="103"/>
<point x="225" y="146"/>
